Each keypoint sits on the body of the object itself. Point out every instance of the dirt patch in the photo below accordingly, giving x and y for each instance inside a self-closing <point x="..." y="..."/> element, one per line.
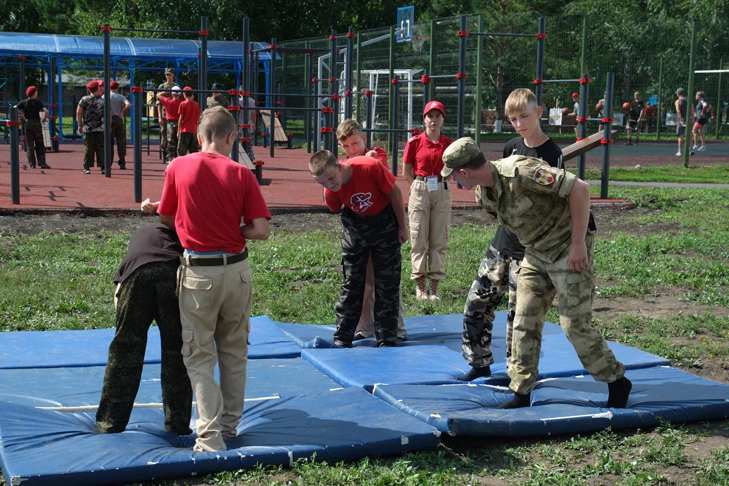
<point x="653" y="306"/>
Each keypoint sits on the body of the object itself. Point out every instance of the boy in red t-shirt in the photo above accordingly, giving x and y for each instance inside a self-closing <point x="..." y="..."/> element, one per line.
<point x="187" y="124"/>
<point x="354" y="143"/>
<point x="373" y="224"/>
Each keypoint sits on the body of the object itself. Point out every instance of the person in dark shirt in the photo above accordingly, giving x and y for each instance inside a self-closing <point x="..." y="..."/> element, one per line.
<point x="90" y="119"/>
<point x="636" y="115"/>
<point x="33" y="114"/>
<point x="498" y="269"/>
<point x="146" y="291"/>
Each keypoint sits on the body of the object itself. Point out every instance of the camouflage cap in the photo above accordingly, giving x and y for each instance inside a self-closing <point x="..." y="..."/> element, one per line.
<point x="169" y="70"/>
<point x="458" y="154"/>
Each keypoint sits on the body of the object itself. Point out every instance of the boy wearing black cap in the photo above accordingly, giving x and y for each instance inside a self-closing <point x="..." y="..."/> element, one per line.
<point x="548" y="209"/>
<point x="33" y="113"/>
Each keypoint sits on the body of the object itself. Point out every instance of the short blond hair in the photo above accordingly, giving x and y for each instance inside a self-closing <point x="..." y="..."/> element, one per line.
<point x="347" y="128"/>
<point x="216" y="122"/>
<point x="519" y="101"/>
<point x="321" y="161"/>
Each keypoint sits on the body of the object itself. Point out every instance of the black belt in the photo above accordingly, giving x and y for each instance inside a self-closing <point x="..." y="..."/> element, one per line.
<point x="440" y="179"/>
<point x="201" y="261"/>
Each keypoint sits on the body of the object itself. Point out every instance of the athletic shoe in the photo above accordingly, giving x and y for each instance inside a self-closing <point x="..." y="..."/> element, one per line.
<point x="87" y="171"/>
<point x="694" y="147"/>
<point x="701" y="148"/>
<point x="678" y="154"/>
<point x="421" y="294"/>
<point x="434" y="298"/>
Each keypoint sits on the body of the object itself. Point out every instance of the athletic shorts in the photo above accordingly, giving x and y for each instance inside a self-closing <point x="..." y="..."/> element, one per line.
<point x="680" y="130"/>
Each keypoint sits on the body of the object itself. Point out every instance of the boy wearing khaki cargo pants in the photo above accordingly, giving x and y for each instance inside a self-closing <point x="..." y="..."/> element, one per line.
<point x="214" y="279"/>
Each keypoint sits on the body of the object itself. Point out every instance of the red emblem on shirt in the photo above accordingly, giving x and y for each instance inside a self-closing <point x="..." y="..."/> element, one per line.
<point x="361" y="201"/>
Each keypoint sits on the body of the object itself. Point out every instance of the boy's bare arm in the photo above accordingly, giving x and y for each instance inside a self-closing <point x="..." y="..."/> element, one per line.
<point x="579" y="202"/>
<point x="399" y="208"/>
<point x="409" y="173"/>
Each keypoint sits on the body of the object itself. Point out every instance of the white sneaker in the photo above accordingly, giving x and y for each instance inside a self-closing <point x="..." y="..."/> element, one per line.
<point x="421" y="294"/>
<point x="678" y="154"/>
<point x="694" y="147"/>
<point x="701" y="148"/>
<point x="434" y="298"/>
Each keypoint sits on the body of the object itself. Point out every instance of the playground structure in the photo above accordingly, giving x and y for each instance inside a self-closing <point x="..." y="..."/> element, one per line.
<point x="304" y="88"/>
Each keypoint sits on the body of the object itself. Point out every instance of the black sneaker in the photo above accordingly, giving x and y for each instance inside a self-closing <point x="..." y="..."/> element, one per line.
<point x="338" y="343"/>
<point x="122" y="166"/>
<point x="45" y="166"/>
<point x="389" y="343"/>
<point x="87" y="171"/>
<point x="618" y="393"/>
<point x="475" y="372"/>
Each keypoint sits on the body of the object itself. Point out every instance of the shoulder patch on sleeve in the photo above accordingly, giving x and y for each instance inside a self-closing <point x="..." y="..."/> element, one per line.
<point x="544" y="176"/>
<point x="413" y="138"/>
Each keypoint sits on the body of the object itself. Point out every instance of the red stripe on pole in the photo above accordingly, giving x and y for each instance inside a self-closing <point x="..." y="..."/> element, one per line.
<point x="606" y="120"/>
<point x="541" y="36"/>
<point x="106" y="28"/>
<point x="460" y="75"/>
<point x="136" y="89"/>
<point x="536" y="82"/>
<point x="462" y="33"/>
<point x="585" y="80"/>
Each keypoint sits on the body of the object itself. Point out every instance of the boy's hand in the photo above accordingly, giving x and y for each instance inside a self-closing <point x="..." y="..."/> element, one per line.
<point x="403" y="234"/>
<point x="371" y="153"/>
<point x="577" y="258"/>
<point x="149" y="207"/>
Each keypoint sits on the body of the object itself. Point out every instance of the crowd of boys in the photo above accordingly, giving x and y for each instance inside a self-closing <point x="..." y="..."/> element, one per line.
<point x="190" y="272"/>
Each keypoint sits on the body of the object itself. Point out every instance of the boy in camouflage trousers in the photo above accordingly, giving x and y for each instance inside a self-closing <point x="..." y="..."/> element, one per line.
<point x="147" y="280"/>
<point x="373" y="225"/>
<point x="548" y="209"/>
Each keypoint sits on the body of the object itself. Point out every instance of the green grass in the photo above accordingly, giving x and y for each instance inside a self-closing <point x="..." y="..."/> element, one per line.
<point x="711" y="174"/>
<point x="676" y="242"/>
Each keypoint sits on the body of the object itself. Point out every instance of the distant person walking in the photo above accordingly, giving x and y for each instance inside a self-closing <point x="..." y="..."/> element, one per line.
<point x="33" y="113"/>
<point x="701" y="115"/>
<point x="680" y="106"/>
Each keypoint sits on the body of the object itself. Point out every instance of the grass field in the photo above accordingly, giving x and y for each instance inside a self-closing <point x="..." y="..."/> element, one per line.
<point x="663" y="285"/>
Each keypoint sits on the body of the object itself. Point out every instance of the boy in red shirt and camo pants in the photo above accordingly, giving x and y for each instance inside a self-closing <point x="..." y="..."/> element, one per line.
<point x="373" y="225"/>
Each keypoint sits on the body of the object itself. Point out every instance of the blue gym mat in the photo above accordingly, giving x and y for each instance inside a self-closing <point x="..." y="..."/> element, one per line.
<point x="296" y="406"/>
<point x="81" y="386"/>
<point x="563" y="405"/>
<point x="432" y="355"/>
<point x="90" y="347"/>
<point x="47" y="447"/>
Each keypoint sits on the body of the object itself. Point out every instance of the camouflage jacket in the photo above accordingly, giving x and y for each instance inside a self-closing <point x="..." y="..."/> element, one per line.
<point x="531" y="198"/>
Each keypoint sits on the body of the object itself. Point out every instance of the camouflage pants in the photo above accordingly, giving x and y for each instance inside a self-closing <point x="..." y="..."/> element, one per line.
<point x="171" y="145"/>
<point x="147" y="294"/>
<point x="362" y="237"/>
<point x="119" y="138"/>
<point x="496" y="275"/>
<point x="187" y="144"/>
<point x="34" y="141"/>
<point x="537" y="285"/>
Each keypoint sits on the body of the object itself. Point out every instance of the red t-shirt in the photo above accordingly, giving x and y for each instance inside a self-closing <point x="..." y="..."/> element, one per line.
<point x="424" y="155"/>
<point x="380" y="155"/>
<point x="172" y="107"/>
<point x="189" y="116"/>
<point x="367" y="192"/>
<point x="207" y="193"/>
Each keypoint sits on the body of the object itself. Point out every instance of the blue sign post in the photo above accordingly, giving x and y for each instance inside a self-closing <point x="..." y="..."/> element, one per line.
<point x="405" y="23"/>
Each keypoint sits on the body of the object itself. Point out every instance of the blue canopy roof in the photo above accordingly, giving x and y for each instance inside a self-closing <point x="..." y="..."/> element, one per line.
<point x="121" y="47"/>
